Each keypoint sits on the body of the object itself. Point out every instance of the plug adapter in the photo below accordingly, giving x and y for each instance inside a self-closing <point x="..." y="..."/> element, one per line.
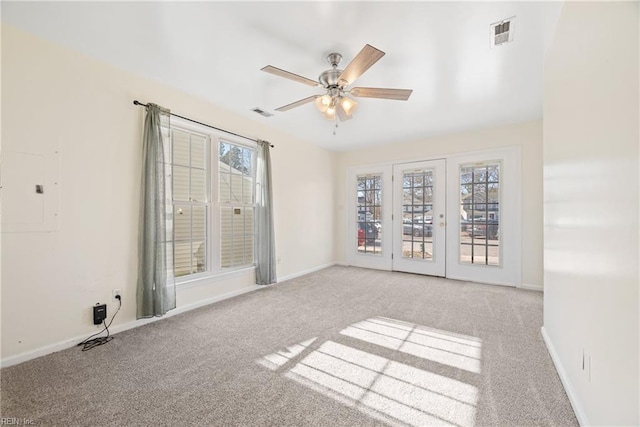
<point x="99" y="313"/>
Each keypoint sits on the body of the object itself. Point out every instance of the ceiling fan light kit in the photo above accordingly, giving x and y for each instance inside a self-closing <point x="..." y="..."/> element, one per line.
<point x="335" y="103"/>
<point x="328" y="105"/>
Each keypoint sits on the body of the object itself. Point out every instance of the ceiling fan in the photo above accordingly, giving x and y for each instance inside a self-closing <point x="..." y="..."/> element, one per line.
<point x="335" y="102"/>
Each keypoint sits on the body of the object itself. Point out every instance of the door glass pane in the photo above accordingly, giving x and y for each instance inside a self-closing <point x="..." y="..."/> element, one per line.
<point x="369" y="214"/>
<point x="480" y="214"/>
<point x="417" y="214"/>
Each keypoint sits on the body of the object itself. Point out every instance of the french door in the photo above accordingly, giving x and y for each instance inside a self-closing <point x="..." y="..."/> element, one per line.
<point x="457" y="217"/>
<point x="419" y="210"/>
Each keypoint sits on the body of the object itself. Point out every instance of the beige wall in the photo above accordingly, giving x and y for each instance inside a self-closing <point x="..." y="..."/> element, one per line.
<point x="528" y="136"/>
<point x="591" y="208"/>
<point x="55" y="99"/>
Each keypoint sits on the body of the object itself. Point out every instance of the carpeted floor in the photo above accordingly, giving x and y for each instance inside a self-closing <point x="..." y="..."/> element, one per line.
<point x="341" y="347"/>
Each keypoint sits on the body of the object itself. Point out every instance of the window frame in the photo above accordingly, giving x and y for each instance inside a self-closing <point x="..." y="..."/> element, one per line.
<point x="214" y="271"/>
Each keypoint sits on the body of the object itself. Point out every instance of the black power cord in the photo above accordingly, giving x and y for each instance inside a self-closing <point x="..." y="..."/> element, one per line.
<point x="90" y="343"/>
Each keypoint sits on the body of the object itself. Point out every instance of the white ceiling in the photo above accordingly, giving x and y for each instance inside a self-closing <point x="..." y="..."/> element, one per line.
<point x="215" y="50"/>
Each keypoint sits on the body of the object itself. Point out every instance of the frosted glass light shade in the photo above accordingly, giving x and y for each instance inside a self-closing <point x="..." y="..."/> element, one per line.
<point x="349" y="105"/>
<point x="329" y="113"/>
<point x="323" y="102"/>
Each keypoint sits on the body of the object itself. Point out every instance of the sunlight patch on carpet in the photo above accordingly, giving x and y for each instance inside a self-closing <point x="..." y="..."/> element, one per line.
<point x="389" y="390"/>
<point x="456" y="350"/>
<point x="278" y="359"/>
<point x="385" y="389"/>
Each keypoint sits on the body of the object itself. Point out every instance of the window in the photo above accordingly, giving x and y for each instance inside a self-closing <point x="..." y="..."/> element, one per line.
<point x="480" y="214"/>
<point x="191" y="201"/>
<point x="213" y="202"/>
<point x="236" y="173"/>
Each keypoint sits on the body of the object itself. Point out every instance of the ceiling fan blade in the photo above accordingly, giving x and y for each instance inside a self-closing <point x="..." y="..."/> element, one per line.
<point x="287" y="75"/>
<point x="377" y="92"/>
<point x="368" y="56"/>
<point x="342" y="115"/>
<point x="297" y="103"/>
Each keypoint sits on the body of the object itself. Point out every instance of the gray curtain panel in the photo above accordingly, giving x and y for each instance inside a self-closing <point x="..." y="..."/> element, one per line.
<point x="265" y="239"/>
<point x="156" y="286"/>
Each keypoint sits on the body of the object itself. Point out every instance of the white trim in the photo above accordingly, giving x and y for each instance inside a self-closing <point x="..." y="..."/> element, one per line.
<point x="482" y="282"/>
<point x="212" y="278"/>
<point x="444" y="156"/>
<point x="304" y="272"/>
<point x="529" y="287"/>
<point x="573" y="399"/>
<point x="72" y="342"/>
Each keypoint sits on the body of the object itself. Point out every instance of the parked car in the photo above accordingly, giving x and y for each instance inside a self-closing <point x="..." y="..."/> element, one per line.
<point x="482" y="228"/>
<point x="416" y="228"/>
<point x="367" y="233"/>
<point x="423" y="219"/>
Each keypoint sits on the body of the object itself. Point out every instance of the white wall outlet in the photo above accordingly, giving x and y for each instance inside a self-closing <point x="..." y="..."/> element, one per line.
<point x="116" y="292"/>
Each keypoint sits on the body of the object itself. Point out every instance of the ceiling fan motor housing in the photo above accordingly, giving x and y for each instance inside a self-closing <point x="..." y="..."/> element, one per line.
<point x="330" y="78"/>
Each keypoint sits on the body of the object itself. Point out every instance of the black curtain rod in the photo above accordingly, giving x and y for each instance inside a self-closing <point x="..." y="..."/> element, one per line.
<point x="136" y="102"/>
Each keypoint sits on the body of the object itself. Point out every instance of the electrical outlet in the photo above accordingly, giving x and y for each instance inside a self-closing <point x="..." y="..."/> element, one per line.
<point x="116" y="292"/>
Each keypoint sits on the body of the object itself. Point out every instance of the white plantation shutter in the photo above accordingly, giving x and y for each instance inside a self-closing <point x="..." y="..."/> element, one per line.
<point x="191" y="201"/>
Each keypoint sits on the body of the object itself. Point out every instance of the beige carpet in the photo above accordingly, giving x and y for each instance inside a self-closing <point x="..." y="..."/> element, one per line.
<point x="341" y="347"/>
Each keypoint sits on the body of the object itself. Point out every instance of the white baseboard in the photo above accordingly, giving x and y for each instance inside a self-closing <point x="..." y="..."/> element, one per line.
<point x="529" y="287"/>
<point x="575" y="404"/>
<point x="72" y="342"/>
<point x="302" y="273"/>
<point x="342" y="264"/>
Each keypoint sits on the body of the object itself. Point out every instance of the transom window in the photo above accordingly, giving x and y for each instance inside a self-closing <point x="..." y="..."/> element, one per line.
<point x="213" y="188"/>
